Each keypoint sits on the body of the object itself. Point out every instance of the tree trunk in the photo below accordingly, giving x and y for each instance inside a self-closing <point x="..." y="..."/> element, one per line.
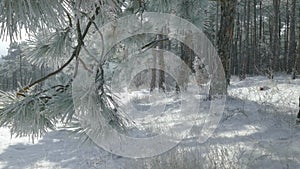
<point x="260" y="21"/>
<point x="246" y="43"/>
<point x="235" y="61"/>
<point x="292" y="37"/>
<point x="286" y="41"/>
<point x="225" y="35"/>
<point x="296" y="66"/>
<point x="158" y="69"/>
<point x="276" y="35"/>
<point x="153" y="74"/>
<point x="254" y="36"/>
<point x="161" y="63"/>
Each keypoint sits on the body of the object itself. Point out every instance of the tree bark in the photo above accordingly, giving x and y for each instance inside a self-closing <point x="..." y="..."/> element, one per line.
<point x="286" y="41"/>
<point x="153" y="74"/>
<point x="292" y="37"/>
<point x="296" y="67"/>
<point x="276" y="35"/>
<point x="254" y="35"/>
<point x="161" y="63"/>
<point x="225" y="35"/>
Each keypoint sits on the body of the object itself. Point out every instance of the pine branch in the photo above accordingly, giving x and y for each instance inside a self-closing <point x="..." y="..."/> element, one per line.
<point x="75" y="54"/>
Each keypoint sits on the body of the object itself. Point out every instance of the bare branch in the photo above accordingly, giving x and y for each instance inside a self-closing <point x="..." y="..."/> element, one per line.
<point x="84" y="65"/>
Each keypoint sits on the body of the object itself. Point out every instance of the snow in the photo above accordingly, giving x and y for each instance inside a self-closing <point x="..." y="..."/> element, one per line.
<point x="3" y="48"/>
<point x="258" y="130"/>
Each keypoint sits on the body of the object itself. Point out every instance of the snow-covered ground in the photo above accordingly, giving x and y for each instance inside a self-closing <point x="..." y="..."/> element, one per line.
<point x="258" y="130"/>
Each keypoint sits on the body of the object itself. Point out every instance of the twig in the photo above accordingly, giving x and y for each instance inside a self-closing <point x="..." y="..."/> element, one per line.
<point x="59" y="87"/>
<point x="102" y="40"/>
<point x="89" y="53"/>
<point x="69" y="18"/>
<point x="153" y="43"/>
<point x="84" y="65"/>
<point x="76" y="69"/>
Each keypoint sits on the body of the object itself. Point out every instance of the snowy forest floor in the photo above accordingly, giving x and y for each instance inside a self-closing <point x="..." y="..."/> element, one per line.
<point x="258" y="130"/>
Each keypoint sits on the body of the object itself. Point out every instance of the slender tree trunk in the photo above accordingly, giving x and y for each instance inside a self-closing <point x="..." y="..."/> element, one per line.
<point x="292" y="37"/>
<point x="161" y="63"/>
<point x="186" y="54"/>
<point x="279" y="62"/>
<point x="158" y="58"/>
<point x="217" y="22"/>
<point x="241" y="47"/>
<point x="248" y="37"/>
<point x="254" y="35"/>
<point x="260" y="21"/>
<point x="276" y="35"/>
<point x="235" y="62"/>
<point x="296" y="67"/>
<point x="153" y="74"/>
<point x="246" y="42"/>
<point x="286" y="41"/>
<point x="225" y="34"/>
<point x="270" y="57"/>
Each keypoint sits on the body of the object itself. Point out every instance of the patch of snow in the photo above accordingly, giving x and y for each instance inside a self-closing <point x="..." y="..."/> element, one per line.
<point x="257" y="130"/>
